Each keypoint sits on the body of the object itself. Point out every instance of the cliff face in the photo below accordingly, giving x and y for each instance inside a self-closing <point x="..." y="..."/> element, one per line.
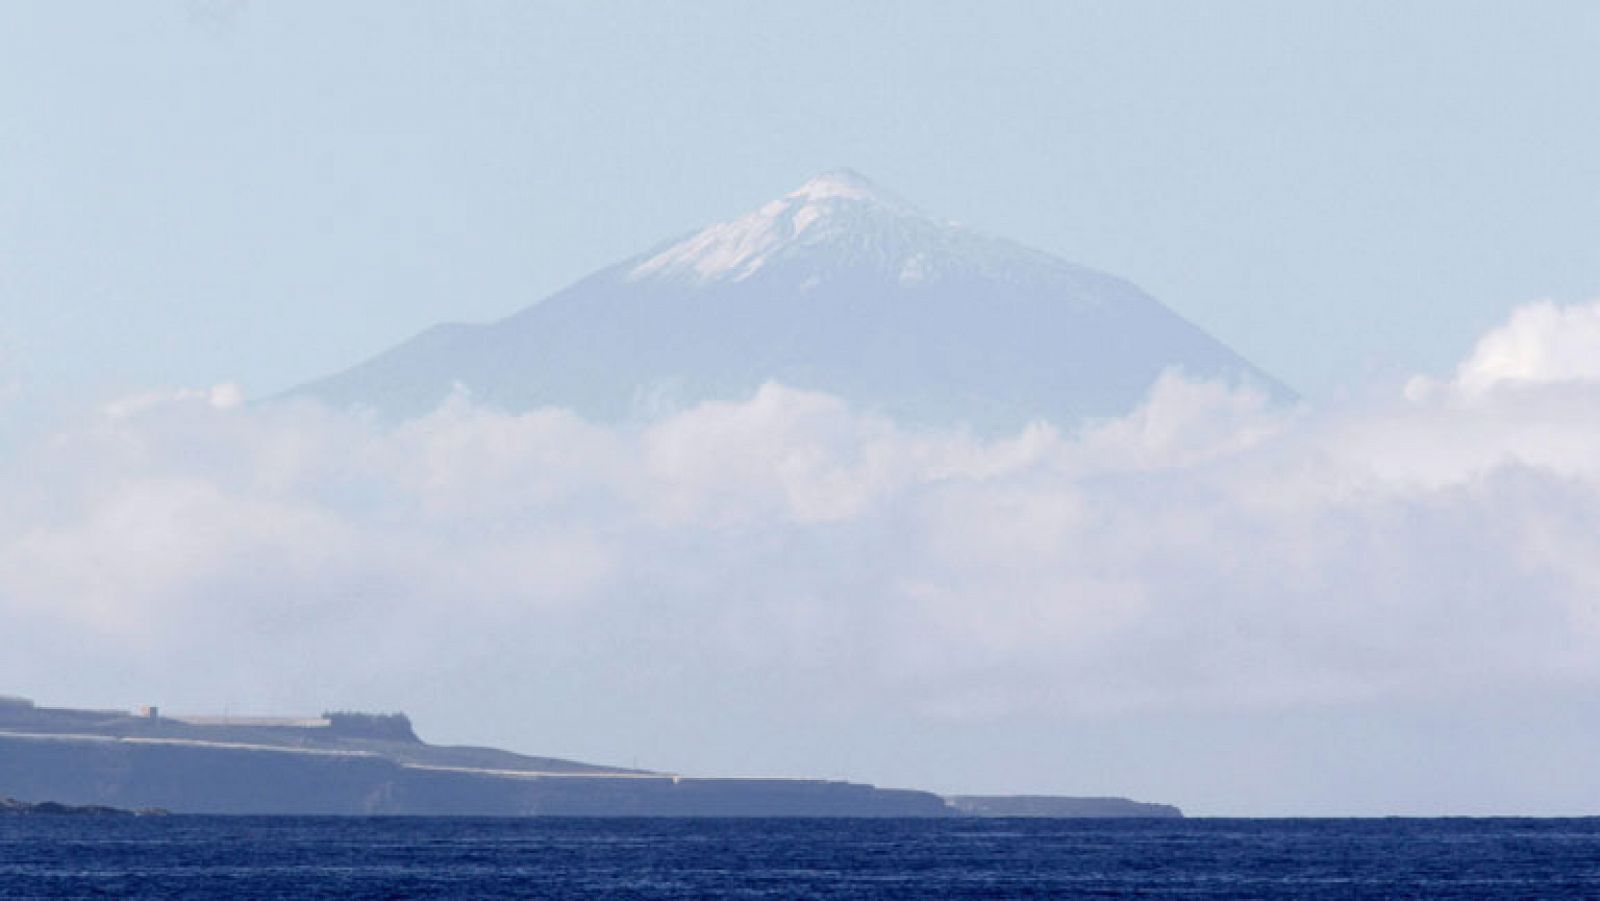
<point x="348" y="764"/>
<point x="194" y="778"/>
<point x="363" y="765"/>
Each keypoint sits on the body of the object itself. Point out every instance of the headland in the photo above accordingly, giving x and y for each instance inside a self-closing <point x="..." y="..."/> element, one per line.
<point x="362" y="764"/>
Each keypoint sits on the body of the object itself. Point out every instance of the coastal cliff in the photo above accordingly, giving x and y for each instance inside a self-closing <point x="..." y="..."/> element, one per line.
<point x="364" y="764"/>
<point x="348" y="763"/>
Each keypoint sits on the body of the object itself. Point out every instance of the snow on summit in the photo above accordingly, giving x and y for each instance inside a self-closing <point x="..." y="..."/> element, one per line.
<point x="846" y="184"/>
<point x="836" y="286"/>
<point x="839" y="219"/>
<point x="736" y="249"/>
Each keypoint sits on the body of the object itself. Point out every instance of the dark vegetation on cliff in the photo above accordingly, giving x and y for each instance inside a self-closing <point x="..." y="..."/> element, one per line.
<point x="386" y="726"/>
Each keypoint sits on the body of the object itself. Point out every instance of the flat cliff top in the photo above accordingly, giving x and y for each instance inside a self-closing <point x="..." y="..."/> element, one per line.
<point x="388" y="737"/>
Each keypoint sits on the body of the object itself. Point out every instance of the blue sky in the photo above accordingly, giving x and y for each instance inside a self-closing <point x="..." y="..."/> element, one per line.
<point x="219" y="190"/>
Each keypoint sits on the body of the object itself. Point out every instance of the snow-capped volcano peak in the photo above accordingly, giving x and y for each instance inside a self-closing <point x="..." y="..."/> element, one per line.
<point x="847" y="184"/>
<point x="836" y="286"/>
<point x="831" y="206"/>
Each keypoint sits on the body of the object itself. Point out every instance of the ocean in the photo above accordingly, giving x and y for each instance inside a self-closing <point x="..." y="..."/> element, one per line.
<point x="309" y="857"/>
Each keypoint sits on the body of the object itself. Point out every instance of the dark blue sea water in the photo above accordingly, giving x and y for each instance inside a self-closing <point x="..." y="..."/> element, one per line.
<point x="217" y="857"/>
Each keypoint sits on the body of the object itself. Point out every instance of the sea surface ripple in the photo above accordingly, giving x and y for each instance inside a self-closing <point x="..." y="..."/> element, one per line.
<point x="294" y="857"/>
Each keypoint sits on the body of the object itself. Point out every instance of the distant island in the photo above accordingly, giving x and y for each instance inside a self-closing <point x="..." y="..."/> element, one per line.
<point x="362" y="764"/>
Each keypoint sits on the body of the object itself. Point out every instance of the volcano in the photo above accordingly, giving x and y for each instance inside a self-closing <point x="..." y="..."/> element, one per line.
<point x="838" y="286"/>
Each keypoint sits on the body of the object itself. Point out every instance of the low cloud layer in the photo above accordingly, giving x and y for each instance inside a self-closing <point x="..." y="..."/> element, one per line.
<point x="788" y="564"/>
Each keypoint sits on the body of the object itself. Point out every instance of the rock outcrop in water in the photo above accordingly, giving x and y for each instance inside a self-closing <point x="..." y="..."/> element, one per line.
<point x="366" y="764"/>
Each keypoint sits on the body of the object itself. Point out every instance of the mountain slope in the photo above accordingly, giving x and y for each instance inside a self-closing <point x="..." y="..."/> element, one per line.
<point x="838" y="286"/>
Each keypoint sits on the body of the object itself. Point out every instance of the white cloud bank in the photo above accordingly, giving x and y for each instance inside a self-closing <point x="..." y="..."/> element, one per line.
<point x="726" y="585"/>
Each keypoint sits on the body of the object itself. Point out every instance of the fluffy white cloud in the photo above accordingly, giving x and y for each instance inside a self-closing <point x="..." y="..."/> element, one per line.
<point x="789" y="558"/>
<point x="1542" y="343"/>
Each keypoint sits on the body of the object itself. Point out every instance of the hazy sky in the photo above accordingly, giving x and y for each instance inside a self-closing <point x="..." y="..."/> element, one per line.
<point x="208" y="190"/>
<point x="1380" y="601"/>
